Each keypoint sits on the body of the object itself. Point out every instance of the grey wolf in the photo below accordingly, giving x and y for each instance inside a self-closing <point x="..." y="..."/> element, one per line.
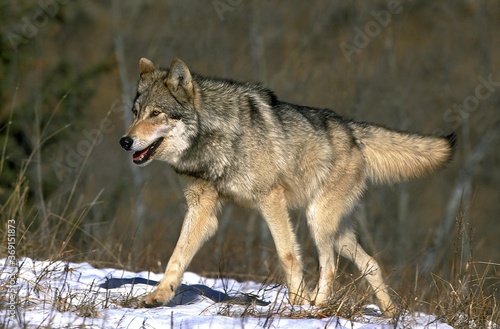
<point x="237" y="142"/>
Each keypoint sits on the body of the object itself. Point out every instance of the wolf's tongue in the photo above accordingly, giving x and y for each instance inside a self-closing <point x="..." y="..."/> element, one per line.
<point x="139" y="154"/>
<point x="142" y="156"/>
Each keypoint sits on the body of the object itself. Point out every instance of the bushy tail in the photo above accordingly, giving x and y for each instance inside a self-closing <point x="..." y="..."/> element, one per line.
<point x="392" y="156"/>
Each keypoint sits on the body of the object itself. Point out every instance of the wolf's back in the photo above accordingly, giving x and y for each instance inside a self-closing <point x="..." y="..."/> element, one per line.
<point x="392" y="156"/>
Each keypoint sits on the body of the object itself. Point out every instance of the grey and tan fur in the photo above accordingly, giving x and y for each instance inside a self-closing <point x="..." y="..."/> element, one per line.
<point x="237" y="142"/>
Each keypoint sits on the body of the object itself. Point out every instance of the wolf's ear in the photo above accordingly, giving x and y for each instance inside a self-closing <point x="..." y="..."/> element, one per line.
<point x="146" y="66"/>
<point x="179" y="81"/>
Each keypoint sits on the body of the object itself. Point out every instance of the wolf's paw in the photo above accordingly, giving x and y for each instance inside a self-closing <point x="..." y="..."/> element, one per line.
<point x="158" y="297"/>
<point x="390" y="311"/>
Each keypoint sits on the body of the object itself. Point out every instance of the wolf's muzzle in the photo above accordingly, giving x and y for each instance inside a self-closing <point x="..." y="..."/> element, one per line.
<point x="126" y="143"/>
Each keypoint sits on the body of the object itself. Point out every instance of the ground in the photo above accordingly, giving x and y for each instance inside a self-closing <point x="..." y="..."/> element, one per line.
<point x="59" y="294"/>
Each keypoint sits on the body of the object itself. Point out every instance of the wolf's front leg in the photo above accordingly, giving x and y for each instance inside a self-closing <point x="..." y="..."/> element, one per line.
<point x="199" y="224"/>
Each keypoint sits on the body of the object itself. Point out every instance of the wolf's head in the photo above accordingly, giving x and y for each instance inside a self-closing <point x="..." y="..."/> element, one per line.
<point x="164" y="114"/>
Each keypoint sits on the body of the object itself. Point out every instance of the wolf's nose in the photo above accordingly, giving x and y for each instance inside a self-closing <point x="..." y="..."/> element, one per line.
<point x="126" y="142"/>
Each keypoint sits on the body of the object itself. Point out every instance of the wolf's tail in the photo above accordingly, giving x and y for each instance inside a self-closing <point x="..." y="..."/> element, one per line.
<point x="392" y="156"/>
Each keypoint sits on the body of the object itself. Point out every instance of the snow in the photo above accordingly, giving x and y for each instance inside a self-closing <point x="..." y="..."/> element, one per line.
<point x="59" y="294"/>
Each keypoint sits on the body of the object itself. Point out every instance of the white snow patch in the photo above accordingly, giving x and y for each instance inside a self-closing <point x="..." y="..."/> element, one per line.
<point x="67" y="295"/>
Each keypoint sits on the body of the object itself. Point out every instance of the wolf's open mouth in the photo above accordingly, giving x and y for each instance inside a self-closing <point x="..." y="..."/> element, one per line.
<point x="140" y="157"/>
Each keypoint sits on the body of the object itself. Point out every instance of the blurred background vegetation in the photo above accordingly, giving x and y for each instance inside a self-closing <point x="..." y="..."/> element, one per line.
<point x="67" y="76"/>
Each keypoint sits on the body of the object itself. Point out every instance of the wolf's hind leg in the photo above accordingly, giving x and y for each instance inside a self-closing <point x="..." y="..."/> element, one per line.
<point x="323" y="223"/>
<point x="326" y="218"/>
<point x="199" y="224"/>
<point x="275" y="211"/>
<point x="349" y="248"/>
<point x="333" y="231"/>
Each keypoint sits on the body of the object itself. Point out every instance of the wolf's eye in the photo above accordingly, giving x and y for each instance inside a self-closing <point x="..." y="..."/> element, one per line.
<point x="155" y="113"/>
<point x="134" y="111"/>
